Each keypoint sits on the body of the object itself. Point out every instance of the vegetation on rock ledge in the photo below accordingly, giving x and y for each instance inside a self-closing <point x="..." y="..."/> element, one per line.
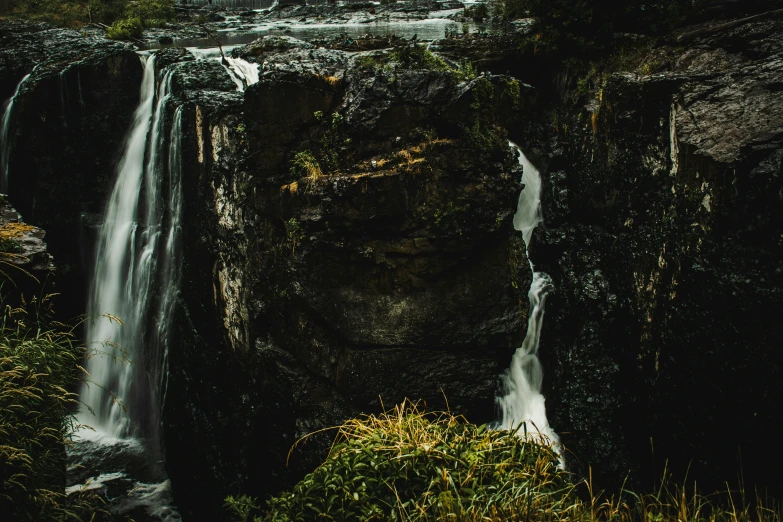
<point x="409" y="465"/>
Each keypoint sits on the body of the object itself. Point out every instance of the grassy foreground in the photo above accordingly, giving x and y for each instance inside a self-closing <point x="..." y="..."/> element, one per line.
<point x="39" y="364"/>
<point x="408" y="465"/>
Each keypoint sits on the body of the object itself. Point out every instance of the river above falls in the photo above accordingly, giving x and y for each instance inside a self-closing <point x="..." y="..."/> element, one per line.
<point x="429" y="29"/>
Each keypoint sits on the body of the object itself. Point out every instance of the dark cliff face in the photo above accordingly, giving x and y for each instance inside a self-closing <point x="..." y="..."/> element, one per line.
<point x="67" y="128"/>
<point x="307" y="300"/>
<point x="663" y="228"/>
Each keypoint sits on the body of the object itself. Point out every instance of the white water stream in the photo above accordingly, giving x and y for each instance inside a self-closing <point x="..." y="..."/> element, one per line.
<point x="136" y="274"/>
<point x="136" y="279"/>
<point x="244" y="71"/>
<point x="5" y="136"/>
<point x="521" y="403"/>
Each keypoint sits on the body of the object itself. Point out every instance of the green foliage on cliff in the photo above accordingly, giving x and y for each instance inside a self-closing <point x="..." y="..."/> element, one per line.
<point x="305" y="165"/>
<point x="334" y="143"/>
<point x="414" y="57"/>
<point x="480" y="131"/>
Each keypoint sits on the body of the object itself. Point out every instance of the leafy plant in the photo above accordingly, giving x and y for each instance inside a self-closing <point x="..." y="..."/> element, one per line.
<point x="480" y="132"/>
<point x="305" y="165"/>
<point x="410" y="465"/>
<point x="418" y="57"/>
<point x="125" y="29"/>
<point x="242" y="506"/>
<point x="334" y="142"/>
<point x="294" y="232"/>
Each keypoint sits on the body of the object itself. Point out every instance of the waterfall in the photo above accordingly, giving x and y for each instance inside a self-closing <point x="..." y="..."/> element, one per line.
<point x="243" y="73"/>
<point x="170" y="264"/>
<point x="136" y="273"/>
<point x="521" y="403"/>
<point x="62" y="80"/>
<point x="5" y="136"/>
<point x="247" y="4"/>
<point x="79" y="84"/>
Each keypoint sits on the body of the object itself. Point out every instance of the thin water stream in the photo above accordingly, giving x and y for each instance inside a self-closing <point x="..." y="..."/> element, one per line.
<point x="521" y="402"/>
<point x="5" y="136"/>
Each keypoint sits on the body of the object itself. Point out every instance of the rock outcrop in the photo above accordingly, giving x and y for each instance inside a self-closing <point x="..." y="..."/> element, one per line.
<point x="390" y="269"/>
<point x="25" y="262"/>
<point x="663" y="233"/>
<point x="66" y="130"/>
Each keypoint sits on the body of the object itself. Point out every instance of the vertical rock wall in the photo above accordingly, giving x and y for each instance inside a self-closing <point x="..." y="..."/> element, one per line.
<point x="665" y="239"/>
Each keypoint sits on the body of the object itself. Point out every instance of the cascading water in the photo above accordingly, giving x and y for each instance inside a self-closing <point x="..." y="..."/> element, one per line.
<point x="63" y="82"/>
<point x="521" y="403"/>
<point x="136" y="279"/>
<point x="246" y="4"/>
<point x="244" y="71"/>
<point x="5" y="136"/>
<point x="114" y="282"/>
<point x="136" y="258"/>
<point x="170" y="273"/>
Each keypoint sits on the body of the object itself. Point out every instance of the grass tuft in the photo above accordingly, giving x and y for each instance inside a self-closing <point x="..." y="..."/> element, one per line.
<point x="38" y="366"/>
<point x="409" y="465"/>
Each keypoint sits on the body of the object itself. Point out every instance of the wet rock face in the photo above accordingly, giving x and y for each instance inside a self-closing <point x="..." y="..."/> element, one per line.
<point x="309" y="298"/>
<point x="663" y="232"/>
<point x="67" y="128"/>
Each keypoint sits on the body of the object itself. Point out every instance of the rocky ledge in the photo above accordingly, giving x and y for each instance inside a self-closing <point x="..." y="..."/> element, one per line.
<point x="24" y="256"/>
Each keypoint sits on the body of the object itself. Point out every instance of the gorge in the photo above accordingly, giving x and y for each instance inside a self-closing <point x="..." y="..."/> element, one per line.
<point x="295" y="231"/>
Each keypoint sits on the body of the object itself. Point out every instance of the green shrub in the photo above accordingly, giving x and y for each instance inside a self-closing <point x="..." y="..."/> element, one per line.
<point x="305" y="165"/>
<point x="334" y="143"/>
<point x="9" y="246"/>
<point x="151" y="13"/>
<point x="408" y="465"/>
<point x="126" y="29"/>
<point x="418" y="57"/>
<point x="38" y="365"/>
